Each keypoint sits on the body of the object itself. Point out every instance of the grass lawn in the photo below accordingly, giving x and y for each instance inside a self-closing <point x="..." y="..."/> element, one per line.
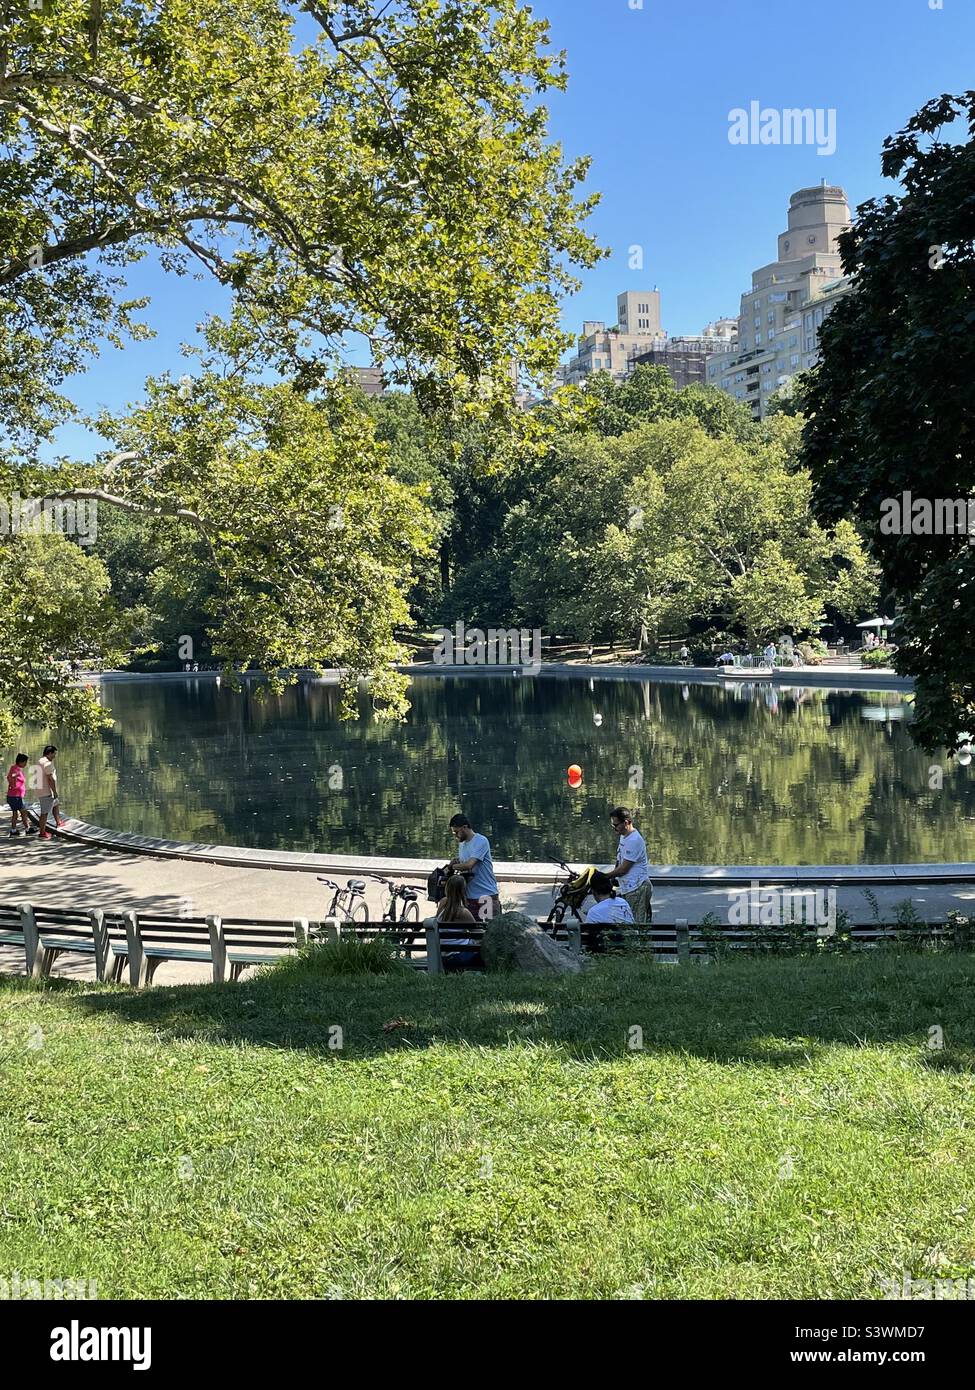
<point x="786" y="1131"/>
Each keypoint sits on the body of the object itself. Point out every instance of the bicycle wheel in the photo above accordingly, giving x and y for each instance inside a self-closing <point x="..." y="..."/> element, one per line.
<point x="411" y="913"/>
<point x="360" y="913"/>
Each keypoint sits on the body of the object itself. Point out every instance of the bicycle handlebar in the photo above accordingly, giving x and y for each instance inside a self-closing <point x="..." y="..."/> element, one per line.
<point x="397" y="888"/>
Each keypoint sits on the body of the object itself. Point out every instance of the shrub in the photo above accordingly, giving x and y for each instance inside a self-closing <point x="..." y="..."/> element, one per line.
<point x="346" y="956"/>
<point x="880" y="656"/>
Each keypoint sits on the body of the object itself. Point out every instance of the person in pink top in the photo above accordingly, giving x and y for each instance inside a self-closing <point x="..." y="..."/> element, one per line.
<point x="16" y="790"/>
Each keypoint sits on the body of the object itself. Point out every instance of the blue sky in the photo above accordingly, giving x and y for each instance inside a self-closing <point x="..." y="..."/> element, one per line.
<point x="649" y="98"/>
<point x="650" y="95"/>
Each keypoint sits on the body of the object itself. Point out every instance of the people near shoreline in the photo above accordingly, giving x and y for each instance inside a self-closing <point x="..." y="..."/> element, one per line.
<point x="631" y="869"/>
<point x="608" y="913"/>
<point x="474" y="861"/>
<point x="48" y="789"/>
<point x="683" y="656"/>
<point x="453" y="918"/>
<point x="770" y="655"/>
<point x="16" y="791"/>
<point x="607" y="908"/>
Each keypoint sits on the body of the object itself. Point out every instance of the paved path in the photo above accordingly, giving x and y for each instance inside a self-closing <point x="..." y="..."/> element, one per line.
<point x="63" y="874"/>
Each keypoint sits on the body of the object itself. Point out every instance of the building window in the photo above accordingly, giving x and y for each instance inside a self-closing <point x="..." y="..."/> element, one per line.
<point x="794" y="360"/>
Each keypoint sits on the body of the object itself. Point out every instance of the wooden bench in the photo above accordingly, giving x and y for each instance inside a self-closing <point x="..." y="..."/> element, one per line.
<point x="247" y="942"/>
<point x="665" y="943"/>
<point x="146" y="940"/>
<point x="409" y="938"/>
<point x="18" y="928"/>
<point x="72" y="931"/>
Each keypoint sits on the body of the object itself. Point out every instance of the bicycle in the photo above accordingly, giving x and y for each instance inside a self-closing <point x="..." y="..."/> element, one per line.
<point x="409" y="912"/>
<point x="399" y="892"/>
<point x="348" y="902"/>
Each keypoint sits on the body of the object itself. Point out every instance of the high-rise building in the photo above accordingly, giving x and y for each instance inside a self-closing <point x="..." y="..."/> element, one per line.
<point x="602" y="349"/>
<point x="686" y="358"/>
<point x="778" y="328"/>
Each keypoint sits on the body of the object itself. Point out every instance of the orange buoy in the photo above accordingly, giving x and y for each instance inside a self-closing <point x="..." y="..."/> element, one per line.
<point x="575" y="775"/>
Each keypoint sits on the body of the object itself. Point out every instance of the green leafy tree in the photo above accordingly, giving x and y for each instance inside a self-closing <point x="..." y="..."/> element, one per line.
<point x="646" y="531"/>
<point x="339" y="167"/>
<point x="889" y="408"/>
<point x="57" y="609"/>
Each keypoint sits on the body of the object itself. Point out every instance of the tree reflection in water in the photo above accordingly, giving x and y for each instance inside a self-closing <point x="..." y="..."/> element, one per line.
<point x="734" y="773"/>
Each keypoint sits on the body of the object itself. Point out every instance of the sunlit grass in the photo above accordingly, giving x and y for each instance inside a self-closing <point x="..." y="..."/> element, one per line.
<point x="785" y="1130"/>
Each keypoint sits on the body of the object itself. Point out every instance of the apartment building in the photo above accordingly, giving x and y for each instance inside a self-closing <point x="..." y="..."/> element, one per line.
<point x="602" y="349"/>
<point x="778" y="327"/>
<point x="686" y="357"/>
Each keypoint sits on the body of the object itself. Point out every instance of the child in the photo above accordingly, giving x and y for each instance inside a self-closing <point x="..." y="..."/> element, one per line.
<point x="16" y="788"/>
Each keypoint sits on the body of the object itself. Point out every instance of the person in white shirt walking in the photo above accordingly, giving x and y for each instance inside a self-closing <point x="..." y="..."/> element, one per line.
<point x="631" y="869"/>
<point x="49" y="802"/>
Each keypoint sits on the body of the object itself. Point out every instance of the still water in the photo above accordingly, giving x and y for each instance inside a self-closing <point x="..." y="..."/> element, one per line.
<point x="742" y="775"/>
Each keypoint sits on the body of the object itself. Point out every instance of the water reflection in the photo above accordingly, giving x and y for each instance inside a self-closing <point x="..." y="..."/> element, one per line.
<point x="737" y="773"/>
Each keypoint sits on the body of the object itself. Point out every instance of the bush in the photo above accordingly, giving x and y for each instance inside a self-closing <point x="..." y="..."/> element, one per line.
<point x="812" y="651"/>
<point x="880" y="656"/>
<point x="346" y="956"/>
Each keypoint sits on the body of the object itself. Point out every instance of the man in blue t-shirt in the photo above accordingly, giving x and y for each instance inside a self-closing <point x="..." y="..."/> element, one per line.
<point x="474" y="862"/>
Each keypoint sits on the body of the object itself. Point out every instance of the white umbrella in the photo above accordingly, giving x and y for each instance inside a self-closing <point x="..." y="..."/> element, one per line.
<point x="877" y="622"/>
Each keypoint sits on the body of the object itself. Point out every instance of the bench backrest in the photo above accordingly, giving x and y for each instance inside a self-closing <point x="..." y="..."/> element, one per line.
<point x="10" y="919"/>
<point x="245" y="933"/>
<point x="64" y="921"/>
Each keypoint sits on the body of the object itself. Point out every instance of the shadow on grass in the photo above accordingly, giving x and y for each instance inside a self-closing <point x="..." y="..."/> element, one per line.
<point x="765" y="1012"/>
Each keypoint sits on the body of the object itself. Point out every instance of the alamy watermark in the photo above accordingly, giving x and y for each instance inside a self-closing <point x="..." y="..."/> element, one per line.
<point x="498" y="646"/>
<point x="15" y="1287"/>
<point x="907" y="1287"/>
<point x="39" y="516"/>
<point x="756" y="906"/>
<point x="908" y="515"/>
<point x="767" y="125"/>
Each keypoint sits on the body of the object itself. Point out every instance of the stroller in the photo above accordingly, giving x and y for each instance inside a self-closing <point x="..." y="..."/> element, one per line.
<point x="569" y="895"/>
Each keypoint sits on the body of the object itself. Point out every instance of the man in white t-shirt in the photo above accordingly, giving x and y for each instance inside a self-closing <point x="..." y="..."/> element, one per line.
<point x="631" y="869"/>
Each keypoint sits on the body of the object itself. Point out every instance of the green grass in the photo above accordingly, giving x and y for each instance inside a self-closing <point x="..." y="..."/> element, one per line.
<point x="503" y="1141"/>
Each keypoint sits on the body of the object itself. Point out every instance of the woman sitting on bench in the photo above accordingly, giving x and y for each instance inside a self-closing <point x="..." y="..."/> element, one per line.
<point x="453" y="914"/>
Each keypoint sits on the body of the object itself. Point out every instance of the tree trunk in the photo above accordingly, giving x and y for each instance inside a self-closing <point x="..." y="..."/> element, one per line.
<point x="445" y="564"/>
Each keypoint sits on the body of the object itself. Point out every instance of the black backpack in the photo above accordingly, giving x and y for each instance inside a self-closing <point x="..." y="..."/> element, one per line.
<point x="436" y="884"/>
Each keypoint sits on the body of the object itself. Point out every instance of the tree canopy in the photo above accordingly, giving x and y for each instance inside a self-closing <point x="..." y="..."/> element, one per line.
<point x="340" y="167"/>
<point x="889" y="408"/>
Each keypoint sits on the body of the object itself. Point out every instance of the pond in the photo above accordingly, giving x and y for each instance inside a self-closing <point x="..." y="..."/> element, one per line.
<point x="717" y="774"/>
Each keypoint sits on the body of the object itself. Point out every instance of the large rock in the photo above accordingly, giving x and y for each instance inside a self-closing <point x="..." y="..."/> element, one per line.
<point x="513" y="942"/>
